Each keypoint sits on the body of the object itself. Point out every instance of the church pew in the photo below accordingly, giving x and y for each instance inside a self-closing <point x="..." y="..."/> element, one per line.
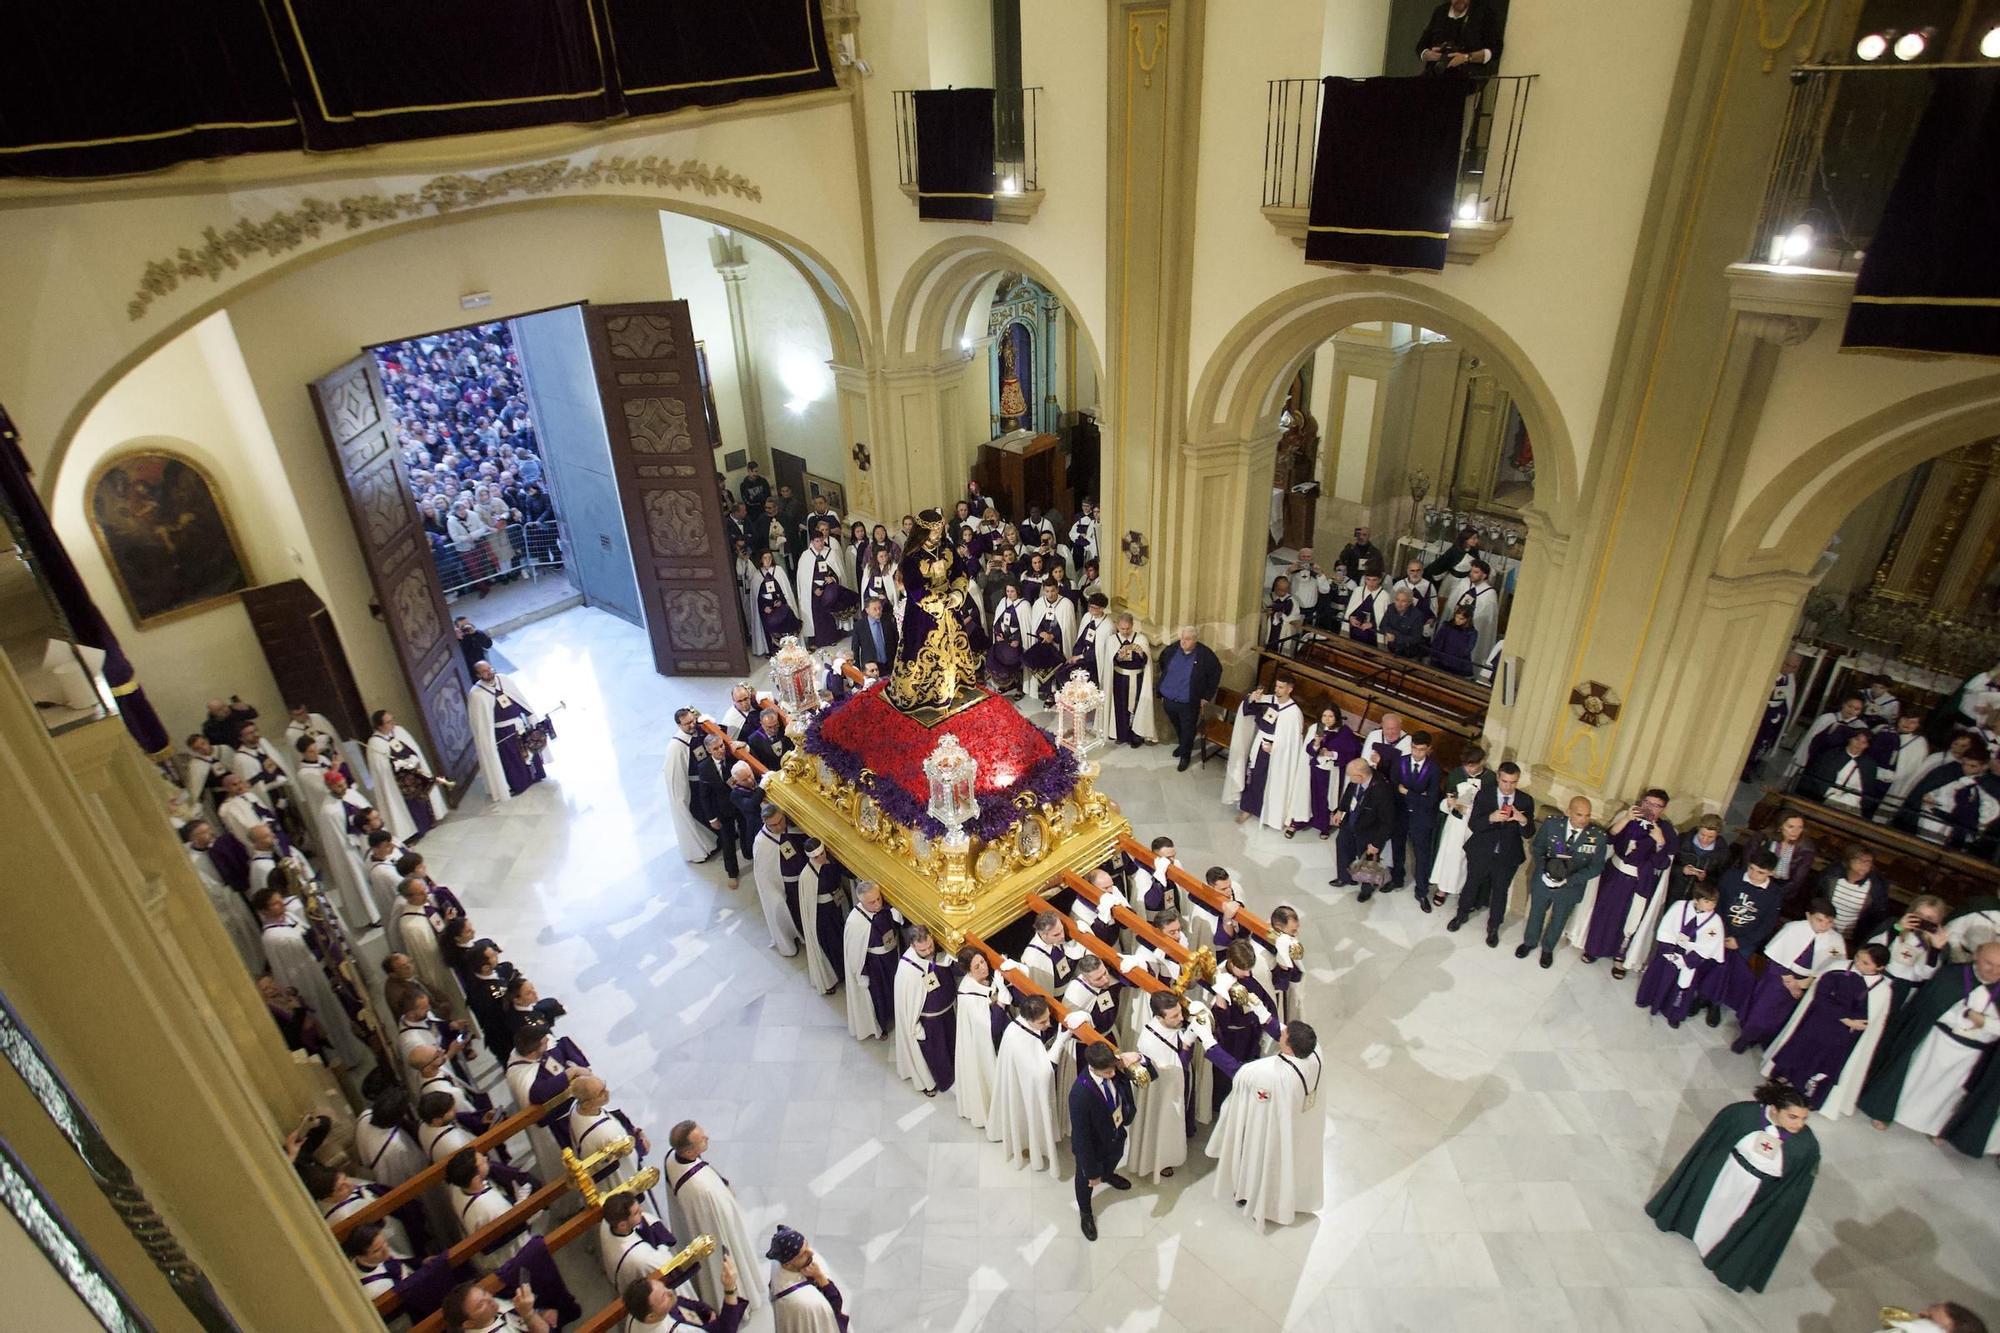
<point x="433" y="1175"/>
<point x="1200" y="891"/>
<point x="485" y="1238"/>
<point x="1315" y="689"/>
<point x="1414" y="680"/>
<point x="1214" y="733"/>
<point x="570" y="1229"/>
<point x="1911" y="864"/>
<point x="1023" y="984"/>
<point x="1143" y="979"/>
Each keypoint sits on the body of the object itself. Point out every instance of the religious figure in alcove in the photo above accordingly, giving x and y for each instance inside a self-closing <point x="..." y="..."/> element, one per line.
<point x="1013" y="400"/>
<point x="1298" y="447"/>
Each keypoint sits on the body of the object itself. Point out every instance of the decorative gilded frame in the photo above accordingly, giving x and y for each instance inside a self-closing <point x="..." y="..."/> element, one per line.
<point x="215" y="495"/>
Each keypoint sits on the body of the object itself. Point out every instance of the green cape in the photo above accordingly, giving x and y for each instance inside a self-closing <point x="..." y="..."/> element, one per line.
<point x="1748" y="1254"/>
<point x="1971" y="1125"/>
<point x="1905" y="1033"/>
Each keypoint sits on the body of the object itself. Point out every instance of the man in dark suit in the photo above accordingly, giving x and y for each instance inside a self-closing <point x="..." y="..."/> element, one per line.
<point x="1187" y="677"/>
<point x="875" y="637"/>
<point x="1419" y="783"/>
<point x="746" y="801"/>
<point x="1100" y="1110"/>
<point x="1501" y="821"/>
<point x="1366" y="820"/>
<point x="712" y="806"/>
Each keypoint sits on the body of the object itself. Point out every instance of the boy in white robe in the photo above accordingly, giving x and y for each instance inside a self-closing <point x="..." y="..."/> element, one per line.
<point x="1177" y="1095"/>
<point x="1838" y="1098"/>
<point x="702" y="1204"/>
<point x="1053" y="609"/>
<point x="1022" y="1118"/>
<point x="1269" y="1139"/>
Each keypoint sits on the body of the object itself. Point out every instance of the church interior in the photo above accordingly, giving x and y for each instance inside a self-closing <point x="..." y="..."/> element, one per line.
<point x="1002" y="664"/>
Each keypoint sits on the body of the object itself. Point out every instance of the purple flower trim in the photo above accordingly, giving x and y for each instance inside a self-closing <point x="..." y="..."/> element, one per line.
<point x="1051" y="779"/>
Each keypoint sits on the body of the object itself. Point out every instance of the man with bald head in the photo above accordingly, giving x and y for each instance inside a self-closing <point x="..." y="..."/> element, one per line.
<point x="1926" y="1072"/>
<point x="594" y="1124"/>
<point x="1568" y="852"/>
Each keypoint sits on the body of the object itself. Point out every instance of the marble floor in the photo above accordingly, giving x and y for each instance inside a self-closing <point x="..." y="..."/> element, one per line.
<point x="1493" y="1127"/>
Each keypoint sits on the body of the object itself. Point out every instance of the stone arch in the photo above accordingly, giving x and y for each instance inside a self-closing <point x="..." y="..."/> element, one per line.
<point x="851" y="340"/>
<point x="1789" y="522"/>
<point x="1239" y="393"/>
<point x="941" y="287"/>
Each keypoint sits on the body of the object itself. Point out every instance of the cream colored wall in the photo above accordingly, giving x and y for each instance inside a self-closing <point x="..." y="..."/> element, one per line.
<point x="694" y="279"/>
<point x="1586" y="159"/>
<point x="195" y="397"/>
<point x="70" y="270"/>
<point x="789" y="345"/>
<point x="960" y="38"/>
<point x="1352" y="38"/>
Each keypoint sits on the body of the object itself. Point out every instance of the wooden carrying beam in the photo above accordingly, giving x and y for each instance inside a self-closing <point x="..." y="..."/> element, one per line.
<point x="564" y="1233"/>
<point x="1143" y="930"/>
<point x="433" y="1174"/>
<point x="1199" y="891"/>
<point x="1022" y="983"/>
<point x="486" y="1237"/>
<point x="1143" y="979"/>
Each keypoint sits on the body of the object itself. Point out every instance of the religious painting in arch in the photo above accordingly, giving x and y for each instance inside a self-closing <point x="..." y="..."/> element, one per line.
<point x="1026" y="325"/>
<point x="1397" y="531"/>
<point x="165" y="534"/>
<point x="1880" y="716"/>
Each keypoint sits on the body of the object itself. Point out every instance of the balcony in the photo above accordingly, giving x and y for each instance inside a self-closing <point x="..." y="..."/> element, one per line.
<point x="1485" y="164"/>
<point x="1846" y="130"/>
<point x="1016" y="168"/>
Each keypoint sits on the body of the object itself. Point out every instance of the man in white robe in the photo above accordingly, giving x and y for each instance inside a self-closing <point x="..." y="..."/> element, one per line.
<point x="1948" y="1055"/>
<point x="227" y="902"/>
<point x="479" y="1201"/>
<point x="595" y="1124"/>
<point x="803" y="1296"/>
<point x="819" y="893"/>
<point x="381" y="878"/>
<point x="1478" y="595"/>
<point x="624" y="1244"/>
<point x="241" y="808"/>
<point x="333" y="749"/>
<point x="981" y="995"/>
<point x="1273" y="727"/>
<point x="1053" y="609"/>
<point x="292" y="963"/>
<point x="746" y="706"/>
<point x="1367" y="603"/>
<point x="1901" y="754"/>
<point x="816" y="557"/>
<point x="859" y="944"/>
<point x="1176" y="1097"/>
<point x="702" y="1204"/>
<point x="392" y="748"/>
<point x="491" y="692"/>
<point x="205" y="767"/>
<point x="334" y="824"/>
<point x="1125" y="665"/>
<point x="767" y="868"/>
<point x="386" y="1151"/>
<point x="696" y="839"/>
<point x="263" y="765"/>
<point x="416" y="930"/>
<point x="267" y="857"/>
<point x="1022" y="1118"/>
<point x="1051" y="956"/>
<point x="1269" y="1139"/>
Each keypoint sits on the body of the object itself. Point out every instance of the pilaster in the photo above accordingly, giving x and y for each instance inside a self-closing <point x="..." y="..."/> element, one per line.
<point x="1220" y="553"/>
<point x="924" y="453"/>
<point x="730" y="262"/>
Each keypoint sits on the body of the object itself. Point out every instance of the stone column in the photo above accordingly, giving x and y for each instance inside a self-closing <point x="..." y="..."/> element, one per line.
<point x="1218" y="560"/>
<point x="859" y="395"/>
<point x="1148" y="483"/>
<point x="115" y="961"/>
<point x="727" y="252"/>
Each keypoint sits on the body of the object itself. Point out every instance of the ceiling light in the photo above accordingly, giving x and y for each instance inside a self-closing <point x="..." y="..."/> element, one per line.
<point x="1469" y="211"/>
<point x="965" y="344"/>
<point x="1798" y="242"/>
<point x="1911" y="45"/>
<point x="1009" y="186"/>
<point x="1989" y="45"/>
<point x="1872" y="47"/>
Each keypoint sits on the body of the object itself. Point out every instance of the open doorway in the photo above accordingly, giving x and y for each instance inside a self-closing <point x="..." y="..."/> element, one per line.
<point x="500" y="428"/>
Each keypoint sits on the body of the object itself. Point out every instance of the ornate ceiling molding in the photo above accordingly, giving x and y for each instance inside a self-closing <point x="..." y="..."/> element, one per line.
<point x="222" y="249"/>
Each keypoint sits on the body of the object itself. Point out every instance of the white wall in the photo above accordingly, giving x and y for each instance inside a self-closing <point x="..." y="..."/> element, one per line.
<point x="194" y="397"/>
<point x="960" y="34"/>
<point x="692" y="274"/>
<point x="788" y="341"/>
<point x="1352" y="38"/>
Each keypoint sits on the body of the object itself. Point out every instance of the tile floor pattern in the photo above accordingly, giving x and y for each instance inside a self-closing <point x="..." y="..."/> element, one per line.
<point x="1493" y="1128"/>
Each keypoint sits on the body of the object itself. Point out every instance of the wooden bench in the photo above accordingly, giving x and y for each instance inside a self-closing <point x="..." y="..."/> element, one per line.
<point x="1413" y="680"/>
<point x="1912" y="865"/>
<point x="1452" y="727"/>
<point x="1218" y="723"/>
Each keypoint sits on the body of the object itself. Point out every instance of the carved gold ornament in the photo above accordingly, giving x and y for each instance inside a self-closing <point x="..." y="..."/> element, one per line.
<point x="1594" y="703"/>
<point x="288" y="229"/>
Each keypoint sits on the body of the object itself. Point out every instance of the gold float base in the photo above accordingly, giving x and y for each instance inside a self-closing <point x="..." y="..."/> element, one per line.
<point x="948" y="893"/>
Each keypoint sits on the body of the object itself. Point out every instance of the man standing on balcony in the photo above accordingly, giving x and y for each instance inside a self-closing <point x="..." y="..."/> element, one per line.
<point x="1462" y="40"/>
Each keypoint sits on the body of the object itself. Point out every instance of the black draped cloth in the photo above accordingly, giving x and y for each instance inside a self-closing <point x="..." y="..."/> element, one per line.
<point x="955" y="154"/>
<point x="709" y="52"/>
<point x="1386" y="171"/>
<point x="1928" y="282"/>
<point x="86" y="622"/>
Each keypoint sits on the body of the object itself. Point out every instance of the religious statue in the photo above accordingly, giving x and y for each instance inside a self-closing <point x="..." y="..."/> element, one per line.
<point x="1013" y="403"/>
<point x="935" y="666"/>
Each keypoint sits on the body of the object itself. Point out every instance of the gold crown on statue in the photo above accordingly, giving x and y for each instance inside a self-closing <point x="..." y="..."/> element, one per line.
<point x="931" y="520"/>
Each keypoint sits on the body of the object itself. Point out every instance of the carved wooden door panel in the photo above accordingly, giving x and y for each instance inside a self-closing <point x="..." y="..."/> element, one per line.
<point x="305" y="654"/>
<point x="662" y="457"/>
<point x="361" y="437"/>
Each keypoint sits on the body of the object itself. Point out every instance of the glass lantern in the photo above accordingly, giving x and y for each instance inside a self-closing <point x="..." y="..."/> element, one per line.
<point x="1077" y="704"/>
<point x="795" y="680"/>
<point x="951" y="774"/>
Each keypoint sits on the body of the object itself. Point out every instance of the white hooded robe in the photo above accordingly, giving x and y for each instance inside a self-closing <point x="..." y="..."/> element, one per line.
<point x="1022" y="1117"/>
<point x="382" y="777"/>
<point x="480" y="706"/>
<point x="700" y="1203"/>
<point x="1269" y="1141"/>
<point x="771" y="892"/>
<point x="1287" y="797"/>
<point x="1107" y="679"/>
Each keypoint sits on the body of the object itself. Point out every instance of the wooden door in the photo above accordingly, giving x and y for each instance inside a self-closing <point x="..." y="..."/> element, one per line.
<point x="663" y="458"/>
<point x="361" y="437"/>
<point x="305" y="655"/>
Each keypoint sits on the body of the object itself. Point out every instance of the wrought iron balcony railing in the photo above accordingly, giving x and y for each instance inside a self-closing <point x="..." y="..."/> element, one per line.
<point x="1016" y="161"/>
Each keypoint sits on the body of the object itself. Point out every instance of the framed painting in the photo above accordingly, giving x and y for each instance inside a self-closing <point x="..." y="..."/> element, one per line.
<point x="836" y="498"/>
<point x="165" y="535"/>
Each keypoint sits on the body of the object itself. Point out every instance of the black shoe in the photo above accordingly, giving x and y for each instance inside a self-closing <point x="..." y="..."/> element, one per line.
<point x="1548" y="959"/>
<point x="1715" y="1015"/>
<point x="1118" y="1182"/>
<point x="1492" y="939"/>
<point x="1183" y="765"/>
<point x="1392" y="884"/>
<point x="1424" y="901"/>
<point x="1739" y="1046"/>
<point x="1366" y="893"/>
<point x="1589" y="958"/>
<point x="1523" y="950"/>
<point x="1089" y="1227"/>
<point x="1454" y="923"/>
<point x="1340" y="884"/>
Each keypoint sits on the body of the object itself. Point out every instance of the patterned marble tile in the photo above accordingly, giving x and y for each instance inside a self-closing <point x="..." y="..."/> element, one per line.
<point x="1493" y="1128"/>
